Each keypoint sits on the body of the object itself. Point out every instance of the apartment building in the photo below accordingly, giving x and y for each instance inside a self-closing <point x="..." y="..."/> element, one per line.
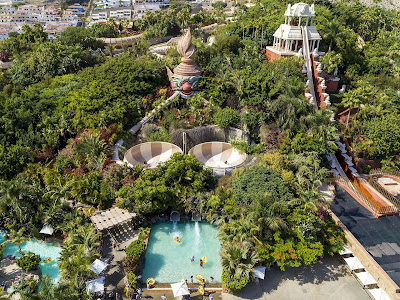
<point x="12" y="19"/>
<point x="106" y="4"/>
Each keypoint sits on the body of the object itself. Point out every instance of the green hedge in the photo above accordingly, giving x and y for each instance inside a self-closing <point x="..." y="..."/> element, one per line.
<point x="234" y="285"/>
<point x="136" y="249"/>
<point x="132" y="279"/>
<point x="226" y="117"/>
<point x="29" y="261"/>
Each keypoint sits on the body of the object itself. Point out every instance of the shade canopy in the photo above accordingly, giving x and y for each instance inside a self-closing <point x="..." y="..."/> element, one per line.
<point x="345" y="251"/>
<point x="111" y="217"/>
<point x="47" y="229"/>
<point x="180" y="289"/>
<point x="366" y="278"/>
<point x="354" y="263"/>
<point x="259" y="272"/>
<point x="379" y="294"/>
<point x="96" y="285"/>
<point x="98" y="266"/>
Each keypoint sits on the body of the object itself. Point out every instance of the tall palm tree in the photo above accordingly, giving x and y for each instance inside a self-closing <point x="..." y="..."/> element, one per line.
<point x="331" y="32"/>
<point x="238" y="260"/>
<point x="288" y="110"/>
<point x="355" y="98"/>
<point x="85" y="237"/>
<point x="241" y="230"/>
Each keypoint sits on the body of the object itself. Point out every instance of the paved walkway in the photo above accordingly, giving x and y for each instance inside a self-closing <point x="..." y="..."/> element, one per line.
<point x="115" y="272"/>
<point x="325" y="280"/>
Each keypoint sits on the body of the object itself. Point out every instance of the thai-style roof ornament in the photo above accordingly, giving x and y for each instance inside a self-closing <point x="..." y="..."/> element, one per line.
<point x="187" y="74"/>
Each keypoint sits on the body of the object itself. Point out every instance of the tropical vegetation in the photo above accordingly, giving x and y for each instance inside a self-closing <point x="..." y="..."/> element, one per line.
<point x="66" y="102"/>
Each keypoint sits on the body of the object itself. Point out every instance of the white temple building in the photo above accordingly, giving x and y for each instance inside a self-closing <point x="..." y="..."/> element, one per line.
<point x="288" y="38"/>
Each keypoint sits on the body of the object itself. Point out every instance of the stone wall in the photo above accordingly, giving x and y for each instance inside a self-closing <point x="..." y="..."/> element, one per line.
<point x="210" y="133"/>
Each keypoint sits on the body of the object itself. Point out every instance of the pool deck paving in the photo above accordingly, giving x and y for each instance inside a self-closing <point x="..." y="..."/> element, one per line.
<point x="328" y="279"/>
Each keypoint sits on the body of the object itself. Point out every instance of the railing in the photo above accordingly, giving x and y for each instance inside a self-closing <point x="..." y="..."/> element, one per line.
<point x="376" y="208"/>
<point x="394" y="173"/>
<point x="307" y="61"/>
<point x="380" y="188"/>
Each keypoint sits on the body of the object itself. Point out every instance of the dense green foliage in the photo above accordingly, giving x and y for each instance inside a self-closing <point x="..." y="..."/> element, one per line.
<point x="169" y="184"/>
<point x="44" y="116"/>
<point x="226" y="117"/>
<point x="132" y="280"/>
<point x="136" y="249"/>
<point x="234" y="285"/>
<point x="253" y="185"/>
<point x="29" y="261"/>
<point x="64" y="104"/>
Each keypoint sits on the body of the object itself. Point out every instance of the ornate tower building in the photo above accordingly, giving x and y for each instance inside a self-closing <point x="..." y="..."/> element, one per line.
<point x="298" y="28"/>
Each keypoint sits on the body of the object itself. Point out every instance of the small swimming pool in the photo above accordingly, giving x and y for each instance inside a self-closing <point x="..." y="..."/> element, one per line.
<point x="40" y="248"/>
<point x="168" y="261"/>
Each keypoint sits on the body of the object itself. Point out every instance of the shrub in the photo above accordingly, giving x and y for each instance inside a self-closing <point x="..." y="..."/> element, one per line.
<point x="132" y="279"/>
<point x="232" y="284"/>
<point x="247" y="148"/>
<point x="254" y="183"/>
<point x="131" y="264"/>
<point x="136" y="249"/>
<point x="385" y="135"/>
<point x="366" y="168"/>
<point x="2" y="248"/>
<point x="226" y="117"/>
<point x="29" y="261"/>
<point x="162" y="135"/>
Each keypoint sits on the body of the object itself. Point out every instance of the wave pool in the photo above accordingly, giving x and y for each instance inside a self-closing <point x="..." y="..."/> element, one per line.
<point x="168" y="261"/>
<point x="41" y="248"/>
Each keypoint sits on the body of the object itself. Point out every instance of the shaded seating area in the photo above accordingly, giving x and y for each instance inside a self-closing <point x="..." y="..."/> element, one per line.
<point x="116" y="222"/>
<point x="111" y="217"/>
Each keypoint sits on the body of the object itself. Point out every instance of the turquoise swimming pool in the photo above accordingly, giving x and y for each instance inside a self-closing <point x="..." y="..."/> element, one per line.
<point x="40" y="248"/>
<point x="168" y="261"/>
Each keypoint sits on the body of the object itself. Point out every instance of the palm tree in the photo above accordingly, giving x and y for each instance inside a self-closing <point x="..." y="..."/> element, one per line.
<point x="240" y="230"/>
<point x="310" y="174"/>
<point x="331" y="32"/>
<point x="355" y="98"/>
<point x="85" y="237"/>
<point x="238" y="260"/>
<point x="110" y="48"/>
<point x="75" y="265"/>
<point x="288" y="110"/>
<point x="93" y="149"/>
<point x="16" y="237"/>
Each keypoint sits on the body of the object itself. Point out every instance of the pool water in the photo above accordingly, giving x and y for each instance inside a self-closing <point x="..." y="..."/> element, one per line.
<point x="168" y="261"/>
<point x="40" y="248"/>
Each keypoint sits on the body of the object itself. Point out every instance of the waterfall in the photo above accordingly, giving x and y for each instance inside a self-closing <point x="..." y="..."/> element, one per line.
<point x="197" y="234"/>
<point x="175" y="226"/>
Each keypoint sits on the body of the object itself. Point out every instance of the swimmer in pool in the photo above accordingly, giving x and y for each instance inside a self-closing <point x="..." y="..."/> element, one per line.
<point x="192" y="259"/>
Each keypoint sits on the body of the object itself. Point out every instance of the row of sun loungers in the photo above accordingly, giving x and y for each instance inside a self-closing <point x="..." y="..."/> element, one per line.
<point x="364" y="277"/>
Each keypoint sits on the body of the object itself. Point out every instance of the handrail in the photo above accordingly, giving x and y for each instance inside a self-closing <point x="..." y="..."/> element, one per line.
<point x="394" y="173"/>
<point x="381" y="189"/>
<point x="379" y="210"/>
<point x="307" y="61"/>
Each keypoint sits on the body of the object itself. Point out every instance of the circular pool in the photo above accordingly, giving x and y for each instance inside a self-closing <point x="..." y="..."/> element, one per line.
<point x="150" y="154"/>
<point x="218" y="155"/>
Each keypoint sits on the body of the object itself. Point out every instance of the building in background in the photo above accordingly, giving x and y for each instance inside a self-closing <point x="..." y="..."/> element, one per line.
<point x="50" y="17"/>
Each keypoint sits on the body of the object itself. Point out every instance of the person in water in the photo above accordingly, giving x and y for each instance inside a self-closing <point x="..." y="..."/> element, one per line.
<point x="201" y="262"/>
<point x="191" y="279"/>
<point x="192" y="259"/>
